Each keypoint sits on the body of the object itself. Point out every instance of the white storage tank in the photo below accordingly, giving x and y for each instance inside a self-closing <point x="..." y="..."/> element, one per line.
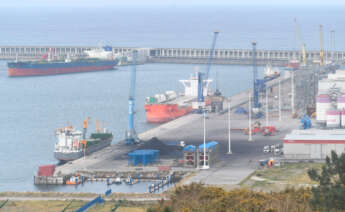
<point x="341" y="103"/>
<point x="323" y="104"/>
<point x="333" y="118"/>
<point x="343" y="119"/>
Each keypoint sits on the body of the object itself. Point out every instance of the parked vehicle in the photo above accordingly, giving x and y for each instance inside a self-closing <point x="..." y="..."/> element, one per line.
<point x="266" y="149"/>
<point x="272" y="148"/>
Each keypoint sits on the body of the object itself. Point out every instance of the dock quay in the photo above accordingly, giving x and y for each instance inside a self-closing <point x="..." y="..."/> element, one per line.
<point x="173" y="55"/>
<point x="113" y="161"/>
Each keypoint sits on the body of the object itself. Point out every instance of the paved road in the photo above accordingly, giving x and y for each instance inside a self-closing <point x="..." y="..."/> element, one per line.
<point x="230" y="169"/>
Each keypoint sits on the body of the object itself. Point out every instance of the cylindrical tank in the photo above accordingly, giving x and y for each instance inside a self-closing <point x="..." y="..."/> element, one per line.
<point x="333" y="118"/>
<point x="341" y="103"/>
<point x="323" y="104"/>
<point x="342" y="119"/>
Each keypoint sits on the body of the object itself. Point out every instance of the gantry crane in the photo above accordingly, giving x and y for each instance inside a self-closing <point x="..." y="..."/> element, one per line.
<point x="131" y="137"/>
<point x="302" y="45"/>
<point x="322" y="52"/>
<point x="201" y="79"/>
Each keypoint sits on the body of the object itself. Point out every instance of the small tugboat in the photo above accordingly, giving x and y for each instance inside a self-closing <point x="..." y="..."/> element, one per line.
<point x="74" y="180"/>
<point x="117" y="181"/>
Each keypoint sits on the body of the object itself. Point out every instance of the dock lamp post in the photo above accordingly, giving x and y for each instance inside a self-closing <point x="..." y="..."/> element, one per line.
<point x="266" y="106"/>
<point x="229" y="125"/>
<point x="205" y="166"/>
<point x="279" y="103"/>
<point x="250" y="118"/>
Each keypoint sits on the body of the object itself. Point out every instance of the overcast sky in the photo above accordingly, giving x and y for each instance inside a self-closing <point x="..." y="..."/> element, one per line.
<point x="167" y="2"/>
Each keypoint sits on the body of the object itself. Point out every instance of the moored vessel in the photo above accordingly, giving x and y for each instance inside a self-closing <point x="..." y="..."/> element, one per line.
<point x="168" y="106"/>
<point x="72" y="144"/>
<point x="97" y="60"/>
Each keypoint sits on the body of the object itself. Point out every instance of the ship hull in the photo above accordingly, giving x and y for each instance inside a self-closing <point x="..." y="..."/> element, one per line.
<point x="160" y="113"/>
<point x="21" y="69"/>
<point x="69" y="156"/>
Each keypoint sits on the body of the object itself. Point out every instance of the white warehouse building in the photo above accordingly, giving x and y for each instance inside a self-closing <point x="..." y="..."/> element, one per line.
<point x="313" y="144"/>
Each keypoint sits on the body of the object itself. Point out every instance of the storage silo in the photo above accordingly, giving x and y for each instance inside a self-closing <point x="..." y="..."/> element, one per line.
<point x="333" y="118"/>
<point x="342" y="119"/>
<point x="323" y="104"/>
<point x="341" y="102"/>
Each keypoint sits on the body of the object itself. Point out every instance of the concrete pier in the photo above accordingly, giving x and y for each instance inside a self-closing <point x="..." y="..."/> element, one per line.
<point x="173" y="55"/>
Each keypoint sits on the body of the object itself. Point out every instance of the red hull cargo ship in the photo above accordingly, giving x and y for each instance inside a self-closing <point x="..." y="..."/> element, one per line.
<point x="99" y="60"/>
<point x="166" y="107"/>
<point x="160" y="113"/>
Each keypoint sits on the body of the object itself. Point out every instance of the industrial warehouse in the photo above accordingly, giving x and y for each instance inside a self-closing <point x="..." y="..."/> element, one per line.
<point x="328" y="132"/>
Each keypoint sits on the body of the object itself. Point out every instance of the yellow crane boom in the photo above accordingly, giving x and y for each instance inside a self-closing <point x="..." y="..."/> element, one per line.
<point x="98" y="129"/>
<point x="302" y="45"/>
<point x="322" y="52"/>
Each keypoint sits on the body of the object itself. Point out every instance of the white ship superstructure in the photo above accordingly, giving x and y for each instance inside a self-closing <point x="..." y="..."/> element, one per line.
<point x="104" y="53"/>
<point x="68" y="140"/>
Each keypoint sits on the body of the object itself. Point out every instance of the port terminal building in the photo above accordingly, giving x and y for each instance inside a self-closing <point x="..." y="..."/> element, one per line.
<point x="313" y="144"/>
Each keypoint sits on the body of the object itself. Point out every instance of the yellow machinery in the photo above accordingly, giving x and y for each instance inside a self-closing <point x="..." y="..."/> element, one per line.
<point x="322" y="52"/>
<point x="98" y="129"/>
<point x="84" y="132"/>
<point x="98" y="126"/>
<point x="302" y="45"/>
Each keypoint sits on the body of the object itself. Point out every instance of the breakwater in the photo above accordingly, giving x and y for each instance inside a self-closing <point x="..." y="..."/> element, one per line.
<point x="173" y="55"/>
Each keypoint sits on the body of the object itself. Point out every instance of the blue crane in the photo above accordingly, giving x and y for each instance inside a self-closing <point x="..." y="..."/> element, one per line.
<point x="255" y="78"/>
<point x="259" y="84"/>
<point x="209" y="62"/>
<point x="131" y="136"/>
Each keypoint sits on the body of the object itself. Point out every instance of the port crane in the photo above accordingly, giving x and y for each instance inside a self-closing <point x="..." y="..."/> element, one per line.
<point x="85" y="123"/>
<point x="255" y="77"/>
<point x="209" y="62"/>
<point x="322" y="52"/>
<point x="131" y="136"/>
<point x="259" y="85"/>
<point x="302" y="45"/>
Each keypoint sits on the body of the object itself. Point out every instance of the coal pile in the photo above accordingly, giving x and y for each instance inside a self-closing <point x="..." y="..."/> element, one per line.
<point x="155" y="143"/>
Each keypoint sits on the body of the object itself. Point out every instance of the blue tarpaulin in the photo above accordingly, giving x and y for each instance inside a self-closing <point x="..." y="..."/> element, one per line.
<point x="189" y="148"/>
<point x="209" y="145"/>
<point x="240" y="110"/>
<point x="306" y="123"/>
<point x="143" y="156"/>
